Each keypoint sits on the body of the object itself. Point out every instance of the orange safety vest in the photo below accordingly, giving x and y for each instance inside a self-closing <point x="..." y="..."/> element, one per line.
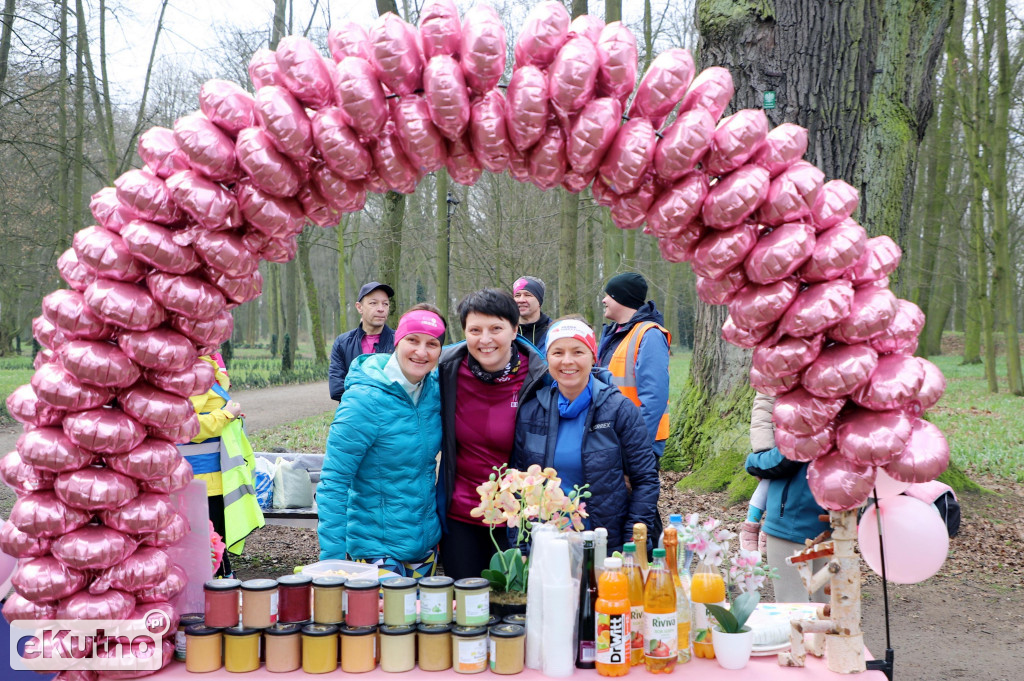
<point x="624" y="372"/>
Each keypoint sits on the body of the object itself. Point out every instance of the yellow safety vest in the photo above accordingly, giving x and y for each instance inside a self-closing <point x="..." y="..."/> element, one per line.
<point x="242" y="512"/>
<point x="624" y="370"/>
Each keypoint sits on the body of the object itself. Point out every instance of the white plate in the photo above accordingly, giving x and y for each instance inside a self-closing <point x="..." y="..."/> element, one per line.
<point x="770" y="650"/>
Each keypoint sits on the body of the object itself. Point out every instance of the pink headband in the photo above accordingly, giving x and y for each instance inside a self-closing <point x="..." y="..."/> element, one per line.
<point x="572" y="328"/>
<point x="419" y="321"/>
<point x="520" y="284"/>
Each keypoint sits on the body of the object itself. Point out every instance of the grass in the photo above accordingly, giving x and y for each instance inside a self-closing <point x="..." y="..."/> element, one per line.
<point x="14" y="371"/>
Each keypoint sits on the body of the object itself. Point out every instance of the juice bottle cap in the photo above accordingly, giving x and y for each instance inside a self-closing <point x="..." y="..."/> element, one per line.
<point x="659" y="553"/>
<point x="675" y="518"/>
<point x="628" y="547"/>
<point x="612" y="563"/>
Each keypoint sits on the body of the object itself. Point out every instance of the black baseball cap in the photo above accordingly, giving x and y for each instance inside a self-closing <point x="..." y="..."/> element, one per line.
<point x="367" y="289"/>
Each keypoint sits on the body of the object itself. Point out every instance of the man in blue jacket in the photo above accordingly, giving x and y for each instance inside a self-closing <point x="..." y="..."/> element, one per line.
<point x="371" y="336"/>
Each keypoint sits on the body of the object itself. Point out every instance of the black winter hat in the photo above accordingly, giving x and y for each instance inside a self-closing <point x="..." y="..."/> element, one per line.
<point x="628" y="289"/>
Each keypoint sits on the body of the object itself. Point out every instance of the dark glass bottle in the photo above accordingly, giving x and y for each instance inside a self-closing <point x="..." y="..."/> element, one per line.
<point x="586" y="621"/>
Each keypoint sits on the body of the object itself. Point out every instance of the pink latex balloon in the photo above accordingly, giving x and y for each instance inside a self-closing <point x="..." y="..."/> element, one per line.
<point x="143" y="569"/>
<point x="440" y="29"/>
<point x="178" y="480"/>
<point x="932" y="387"/>
<point x="839" y="484"/>
<point x="901" y="335"/>
<point x="683" y="144"/>
<point x="662" y="87"/>
<point x="722" y="250"/>
<point x="42" y="514"/>
<point x="787" y="356"/>
<point x="170" y="534"/>
<point x="160" y="152"/>
<point x="871" y="313"/>
<point x="95" y="489"/>
<point x="840" y="370"/>
<point x="48" y="335"/>
<point x="744" y="336"/>
<point x="880" y="259"/>
<point x="630" y="211"/>
<point x="785" y="145"/>
<point x="771" y="385"/>
<point x="462" y="163"/>
<point x="186" y="295"/>
<point x="69" y="311"/>
<point x="225" y="253"/>
<point x="887" y="486"/>
<point x="209" y="204"/>
<point x="722" y="290"/>
<point x="106" y="430"/>
<point x="895" y="382"/>
<point x="236" y="289"/>
<point x="526" y="112"/>
<point x="129" y="306"/>
<point x="284" y="119"/>
<point x="77" y="274"/>
<point x="757" y="306"/>
<point x="46" y="579"/>
<point x="166" y="590"/>
<point x="207" y="332"/>
<point x="272" y="216"/>
<point x="17" y="607"/>
<point x="780" y="253"/>
<point x="914" y="535"/>
<point x="482" y="52"/>
<point x="24" y="406"/>
<point x="791" y="194"/>
<point x="395" y="55"/>
<point x="394" y="166"/>
<point x="339" y="145"/>
<point x="22" y="476"/>
<point x="348" y="39"/>
<point x="161" y="349"/>
<point x="153" y="407"/>
<point x="872" y="437"/>
<point x="801" y="413"/>
<point x="817" y="308"/>
<point x="447" y="96"/>
<point x="145" y="514"/>
<point x="209" y="149"/>
<point x="111" y="605"/>
<point x="93" y="547"/>
<point x="805" y="447"/>
<point x="49" y="449"/>
<point x="618" y="62"/>
<point x="154" y="245"/>
<point x="835" y="251"/>
<point x="835" y="202"/>
<point x="147" y="197"/>
<point x="629" y="156"/>
<point x="735" y="197"/>
<point x="267" y="168"/>
<point x="572" y="76"/>
<point x="304" y="72"/>
<point x="736" y="139"/>
<point x="591" y="135"/>
<point x="195" y="380"/>
<point x="924" y="458"/>
<point x="420" y="140"/>
<point x="360" y="96"/>
<point x="106" y="254"/>
<point x="263" y="69"/>
<point x="153" y="459"/>
<point x="711" y="90"/>
<point x="547" y="158"/>
<point x="108" y="211"/>
<point x="542" y="34"/>
<point x="59" y="389"/>
<point x="227" y="105"/>
<point x="487" y="131"/>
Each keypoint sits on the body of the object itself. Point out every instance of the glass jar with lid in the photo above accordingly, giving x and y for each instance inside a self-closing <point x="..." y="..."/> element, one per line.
<point x="472" y="602"/>
<point x="295" y="598"/>
<point x="203" y="649"/>
<point x="399" y="601"/>
<point x="435" y="647"/>
<point x="507" y="648"/>
<point x="241" y="649"/>
<point x="469" y="649"/>
<point x="319" y="648"/>
<point x="221" y="603"/>
<point x="185" y="621"/>
<point x="362" y="597"/>
<point x="436" y="595"/>
<point x="358" y="649"/>
<point x="328" y="599"/>
<point x="283" y="647"/>
<point x="259" y="603"/>
<point x="397" y="647"/>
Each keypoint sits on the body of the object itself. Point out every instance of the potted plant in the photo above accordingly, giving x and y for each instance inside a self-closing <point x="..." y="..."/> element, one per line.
<point x="519" y="500"/>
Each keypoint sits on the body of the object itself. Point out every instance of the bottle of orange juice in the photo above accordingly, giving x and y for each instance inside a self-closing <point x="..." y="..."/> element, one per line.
<point x="707" y="586"/>
<point x="636" y="602"/>
<point x="611" y="637"/>
<point x="661" y="632"/>
<point x="682" y="585"/>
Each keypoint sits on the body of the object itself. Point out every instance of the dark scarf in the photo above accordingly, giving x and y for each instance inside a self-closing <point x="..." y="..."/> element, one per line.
<point x="503" y="375"/>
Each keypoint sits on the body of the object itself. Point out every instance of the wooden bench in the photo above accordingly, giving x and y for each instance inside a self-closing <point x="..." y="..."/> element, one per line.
<point x="300" y="517"/>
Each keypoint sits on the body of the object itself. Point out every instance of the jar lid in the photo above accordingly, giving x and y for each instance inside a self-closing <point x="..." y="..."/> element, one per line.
<point x="507" y="631"/>
<point x="201" y="630"/>
<point x="346" y="630"/>
<point x="222" y="584"/>
<point x="294" y="580"/>
<point x="399" y="583"/>
<point x="362" y="584"/>
<point x="516" y="618"/>
<point x="283" y="629"/>
<point x="240" y="631"/>
<point x="397" y="629"/>
<point x="259" y="584"/>
<point x="434" y="628"/>
<point x="190" y="618"/>
<point x="320" y="630"/>
<point x="468" y="631"/>
<point x="437" y="582"/>
<point x="472" y="584"/>
<point x="329" y="582"/>
<point x="493" y="620"/>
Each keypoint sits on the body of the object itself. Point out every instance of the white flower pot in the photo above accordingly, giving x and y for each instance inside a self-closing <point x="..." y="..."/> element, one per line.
<point x="733" y="650"/>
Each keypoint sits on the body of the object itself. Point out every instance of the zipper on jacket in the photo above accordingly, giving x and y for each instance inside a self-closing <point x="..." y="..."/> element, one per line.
<point x="785" y="494"/>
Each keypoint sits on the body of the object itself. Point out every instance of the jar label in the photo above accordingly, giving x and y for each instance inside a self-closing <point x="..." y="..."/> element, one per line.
<point x="586" y="651"/>
<point x="344" y="602"/>
<point x="433" y="608"/>
<point x="661" y="635"/>
<point x="492" y="654"/>
<point x="179" y="645"/>
<point x="612" y="638"/>
<point x="273" y="607"/>
<point x="472" y="655"/>
<point x="478" y="608"/>
<point x="410" y="607"/>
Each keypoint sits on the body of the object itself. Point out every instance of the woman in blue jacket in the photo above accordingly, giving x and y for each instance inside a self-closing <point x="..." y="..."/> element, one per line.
<point x="376" y="493"/>
<point x="585" y="429"/>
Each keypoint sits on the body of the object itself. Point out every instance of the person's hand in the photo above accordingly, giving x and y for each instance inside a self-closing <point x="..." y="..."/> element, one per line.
<point x="234" y="408"/>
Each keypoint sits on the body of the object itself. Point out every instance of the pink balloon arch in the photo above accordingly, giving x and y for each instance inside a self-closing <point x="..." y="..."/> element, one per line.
<point x="176" y="245"/>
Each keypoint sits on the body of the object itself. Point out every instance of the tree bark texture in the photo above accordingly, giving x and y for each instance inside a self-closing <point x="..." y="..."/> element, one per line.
<point x="291" y="300"/>
<point x="388" y="270"/>
<point x="312" y="300"/>
<point x="443" y="244"/>
<point x="568" y="235"/>
<point x="6" y="34"/>
<point x="79" y="161"/>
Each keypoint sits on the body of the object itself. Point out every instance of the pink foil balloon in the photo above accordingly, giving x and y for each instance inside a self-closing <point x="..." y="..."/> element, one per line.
<point x="547" y="158"/>
<point x="227" y="105"/>
<point x="195" y="380"/>
<point x="111" y="605"/>
<point x="106" y="254"/>
<point x="145" y="514"/>
<point x="160" y="349"/>
<point x="59" y="389"/>
<point x="48" y="335"/>
<point x="160" y="152"/>
<point x="128" y="306"/>
<point x="284" y="250"/>
<point x="394" y="166"/>
<point x="801" y="413"/>
<point x="895" y="382"/>
<point x="17" y="607"/>
<point x="153" y="459"/>
<point x="167" y="590"/>
<point x="542" y="34"/>
<point x="44" y="356"/>
<point x="71" y="313"/>
<point x="17" y="544"/>
<point x="46" y="579"/>
<point x="147" y="197"/>
<point x="178" y="480"/>
<point x="745" y="336"/>
<point x="153" y="407"/>
<point x="482" y="52"/>
<point x="887" y="486"/>
<point x="835" y="202"/>
<point x="440" y="29"/>
<point x="93" y="547"/>
<point x="339" y="145"/>
<point x="186" y="295"/>
<point x="880" y="259"/>
<point x="756" y="306"/>
<point x="420" y="139"/>
<point x="158" y="616"/>
<point x="591" y="135"/>
<point x="348" y="39"/>
<point x="805" y="447"/>
<point x="462" y="163"/>
<point x="206" y="332"/>
<point x="267" y="168"/>
<point x="208" y="203"/>
<point x="618" y="68"/>
<point x="662" y="87"/>
<point x="680" y="248"/>
<point x="780" y="253"/>
<point x="839" y="484"/>
<point x="360" y="96"/>
<point x="236" y="289"/>
<point x="683" y="144"/>
<point x="872" y="437"/>
<point x="791" y="194"/>
<point x="735" y="140"/>
<point x="835" y="251"/>
<point x="284" y="119"/>
<point x="271" y="215"/>
<point x="901" y="335"/>
<point x="735" y="197"/>
<point x="77" y="274"/>
<point x="573" y="181"/>
<point x="23" y="477"/>
<point x="932" y="387"/>
<point x="143" y="569"/>
<point x="488" y="133"/>
<point x="209" y="149"/>
<point x="225" y="253"/>
<point x="924" y="458"/>
<point x="42" y="514"/>
<point x="722" y="250"/>
<point x="772" y="385"/>
<point x="395" y="55"/>
<point x="840" y="370"/>
<point x="711" y="90"/>
<point x="629" y="156"/>
<point x="24" y="406"/>
<point x="108" y="210"/>
<point x="572" y="76"/>
<point x="630" y="211"/>
<point x="527" y="109"/>
<point x="817" y="308"/>
<point x="154" y="245"/>
<point x="915" y="538"/>
<point x="447" y="97"/>
<point x="95" y="489"/>
<point x="787" y="356"/>
<point x="170" y="534"/>
<point x="677" y="208"/>
<point x="871" y="313"/>
<point x="263" y="69"/>
<point x="587" y="26"/>
<point x="106" y="430"/>
<point x="304" y="72"/>
<point x="50" y="450"/>
<point x="721" y="291"/>
<point x="785" y="145"/>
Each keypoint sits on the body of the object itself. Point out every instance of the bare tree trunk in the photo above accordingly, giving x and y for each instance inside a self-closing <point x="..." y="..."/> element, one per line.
<point x="6" y="33"/>
<point x="443" y="243"/>
<point x="291" y="309"/>
<point x="78" y="163"/>
<point x="390" y="260"/>
<point x="567" y="263"/>
<point x="312" y="300"/>
<point x="129" y="149"/>
<point x="64" y="223"/>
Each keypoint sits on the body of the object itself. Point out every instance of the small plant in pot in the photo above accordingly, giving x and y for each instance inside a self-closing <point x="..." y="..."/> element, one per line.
<point x="519" y="500"/>
<point x="733" y="639"/>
